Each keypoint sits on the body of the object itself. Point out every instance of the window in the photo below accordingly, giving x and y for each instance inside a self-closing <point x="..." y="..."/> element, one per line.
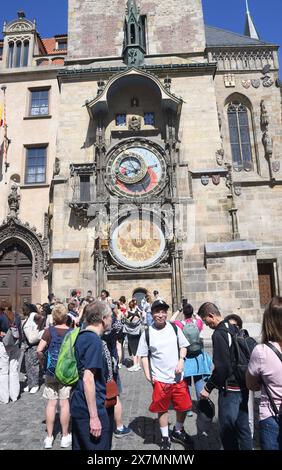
<point x="266" y="282"/>
<point x="239" y="131"/>
<point x="39" y="104"/>
<point x="121" y="120"/>
<point x="1" y="50"/>
<point x="11" y="55"/>
<point x="149" y="119"/>
<point x="62" y="45"/>
<point x="35" y="165"/>
<point x="18" y="54"/>
<point x="85" y="188"/>
<point x="25" y="53"/>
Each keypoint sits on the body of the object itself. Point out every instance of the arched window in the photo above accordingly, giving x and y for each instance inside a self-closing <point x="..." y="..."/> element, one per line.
<point x="25" y="56"/>
<point x="18" y="54"/>
<point x="11" y="54"/>
<point x="132" y="34"/>
<point x="239" y="130"/>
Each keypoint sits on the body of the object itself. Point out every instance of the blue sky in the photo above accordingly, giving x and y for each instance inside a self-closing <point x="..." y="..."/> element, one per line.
<point x="51" y="16"/>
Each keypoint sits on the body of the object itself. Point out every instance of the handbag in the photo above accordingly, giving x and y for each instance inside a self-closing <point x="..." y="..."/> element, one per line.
<point x="9" y="340"/>
<point x="111" y="393"/>
<point x="130" y="328"/>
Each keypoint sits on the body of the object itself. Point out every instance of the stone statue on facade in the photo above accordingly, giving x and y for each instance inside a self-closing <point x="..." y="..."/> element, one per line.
<point x="14" y="202"/>
<point x="57" y="167"/>
<point x="134" y="123"/>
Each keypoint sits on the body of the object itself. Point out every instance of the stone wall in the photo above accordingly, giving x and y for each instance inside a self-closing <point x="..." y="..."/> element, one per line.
<point x="95" y="27"/>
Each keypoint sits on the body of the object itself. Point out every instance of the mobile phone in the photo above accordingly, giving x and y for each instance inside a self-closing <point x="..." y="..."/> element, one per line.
<point x="184" y="302"/>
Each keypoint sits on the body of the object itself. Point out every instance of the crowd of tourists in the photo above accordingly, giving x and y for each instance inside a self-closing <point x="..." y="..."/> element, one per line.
<point x="169" y="348"/>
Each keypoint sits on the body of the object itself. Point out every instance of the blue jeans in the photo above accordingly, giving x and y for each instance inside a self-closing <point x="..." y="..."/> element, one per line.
<point x="270" y="433"/>
<point x="233" y="420"/>
<point x="198" y="383"/>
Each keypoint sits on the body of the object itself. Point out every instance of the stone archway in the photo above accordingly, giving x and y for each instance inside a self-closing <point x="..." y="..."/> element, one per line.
<point x="22" y="247"/>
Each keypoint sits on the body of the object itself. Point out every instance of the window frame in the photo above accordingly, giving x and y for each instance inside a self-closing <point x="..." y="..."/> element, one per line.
<point x="30" y="147"/>
<point x="59" y="42"/>
<point x="34" y="90"/>
<point x="244" y="163"/>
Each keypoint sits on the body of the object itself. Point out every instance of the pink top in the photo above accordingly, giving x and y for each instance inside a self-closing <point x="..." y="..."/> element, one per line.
<point x="264" y="362"/>
<point x="198" y="321"/>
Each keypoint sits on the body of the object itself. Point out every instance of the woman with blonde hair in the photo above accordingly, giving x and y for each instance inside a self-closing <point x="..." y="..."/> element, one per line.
<point x="265" y="374"/>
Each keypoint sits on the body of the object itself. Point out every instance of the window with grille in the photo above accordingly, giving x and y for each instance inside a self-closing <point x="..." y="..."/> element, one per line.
<point x="35" y="165"/>
<point x="149" y="119"/>
<point x="39" y="103"/>
<point x="121" y="120"/>
<point x="239" y="131"/>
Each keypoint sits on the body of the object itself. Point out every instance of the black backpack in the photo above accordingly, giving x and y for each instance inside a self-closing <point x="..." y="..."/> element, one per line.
<point x="243" y="345"/>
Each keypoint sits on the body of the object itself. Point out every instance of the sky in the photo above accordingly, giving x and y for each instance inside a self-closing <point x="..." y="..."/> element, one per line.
<point x="51" y="16"/>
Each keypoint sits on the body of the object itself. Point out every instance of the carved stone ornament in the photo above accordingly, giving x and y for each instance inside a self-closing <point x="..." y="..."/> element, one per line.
<point x="268" y="144"/>
<point x="246" y="83"/>
<point x="205" y="180"/>
<point x="134" y="123"/>
<point x="216" y="179"/>
<point x="57" y="167"/>
<point x="237" y="189"/>
<point x="267" y="81"/>
<point x="219" y="156"/>
<point x="255" y="83"/>
<point x="229" y="80"/>
<point x="13" y="228"/>
<point x="275" y="166"/>
<point x="264" y="118"/>
<point x="14" y="202"/>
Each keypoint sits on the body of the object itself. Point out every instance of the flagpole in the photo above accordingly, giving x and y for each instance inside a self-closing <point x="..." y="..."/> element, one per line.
<point x="6" y="139"/>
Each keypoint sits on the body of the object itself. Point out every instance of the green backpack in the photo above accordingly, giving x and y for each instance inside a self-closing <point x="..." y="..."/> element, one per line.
<point x="66" y="370"/>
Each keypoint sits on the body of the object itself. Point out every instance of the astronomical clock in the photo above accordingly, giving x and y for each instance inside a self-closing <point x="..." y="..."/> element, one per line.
<point x="136" y="171"/>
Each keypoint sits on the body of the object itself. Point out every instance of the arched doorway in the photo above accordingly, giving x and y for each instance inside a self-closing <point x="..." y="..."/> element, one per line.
<point x="139" y="295"/>
<point x="15" y="275"/>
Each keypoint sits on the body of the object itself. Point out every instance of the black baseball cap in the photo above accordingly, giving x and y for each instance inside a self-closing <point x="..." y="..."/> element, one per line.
<point x="159" y="304"/>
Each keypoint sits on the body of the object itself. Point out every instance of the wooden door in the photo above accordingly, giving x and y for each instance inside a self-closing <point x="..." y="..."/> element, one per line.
<point x="266" y="282"/>
<point x="15" y="276"/>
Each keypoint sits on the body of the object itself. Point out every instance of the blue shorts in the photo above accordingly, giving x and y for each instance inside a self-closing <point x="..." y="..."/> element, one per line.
<point x="83" y="440"/>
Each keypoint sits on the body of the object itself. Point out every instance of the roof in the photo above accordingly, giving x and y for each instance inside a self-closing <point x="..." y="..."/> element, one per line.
<point x="217" y="37"/>
<point x="50" y="46"/>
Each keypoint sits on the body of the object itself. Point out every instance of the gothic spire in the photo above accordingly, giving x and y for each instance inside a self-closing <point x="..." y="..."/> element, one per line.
<point x="134" y="35"/>
<point x="250" y="29"/>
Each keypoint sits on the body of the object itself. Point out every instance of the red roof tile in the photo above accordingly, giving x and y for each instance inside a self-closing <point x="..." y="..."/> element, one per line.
<point x="50" y="45"/>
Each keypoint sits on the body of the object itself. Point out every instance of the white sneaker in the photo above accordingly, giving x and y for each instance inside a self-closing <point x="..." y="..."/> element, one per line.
<point x="66" y="441"/>
<point x="138" y="367"/>
<point x="26" y="389"/>
<point x="34" y="390"/>
<point x="48" y="442"/>
<point x="132" y="368"/>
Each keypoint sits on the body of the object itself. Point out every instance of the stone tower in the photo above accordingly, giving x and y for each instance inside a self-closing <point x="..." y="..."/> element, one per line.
<point x="95" y="27"/>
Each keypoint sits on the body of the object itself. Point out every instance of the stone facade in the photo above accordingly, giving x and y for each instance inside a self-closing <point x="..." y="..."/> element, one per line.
<point x="144" y="148"/>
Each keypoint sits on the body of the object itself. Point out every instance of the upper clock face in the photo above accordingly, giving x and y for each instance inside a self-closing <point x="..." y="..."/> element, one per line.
<point x="137" y="171"/>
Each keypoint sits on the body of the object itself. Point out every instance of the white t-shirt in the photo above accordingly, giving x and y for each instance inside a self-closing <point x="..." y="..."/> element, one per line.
<point x="164" y="352"/>
<point x="264" y="362"/>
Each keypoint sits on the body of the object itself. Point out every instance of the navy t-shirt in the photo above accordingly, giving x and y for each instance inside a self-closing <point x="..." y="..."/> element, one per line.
<point x="89" y="355"/>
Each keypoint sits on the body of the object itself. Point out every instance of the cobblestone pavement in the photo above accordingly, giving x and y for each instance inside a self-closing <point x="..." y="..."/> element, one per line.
<point x="22" y="423"/>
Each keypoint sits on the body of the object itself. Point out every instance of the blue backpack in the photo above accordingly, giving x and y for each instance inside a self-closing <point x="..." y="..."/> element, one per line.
<point x="53" y="350"/>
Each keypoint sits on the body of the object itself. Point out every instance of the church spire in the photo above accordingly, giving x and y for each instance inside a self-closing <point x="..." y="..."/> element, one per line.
<point x="134" y="35"/>
<point x="250" y="29"/>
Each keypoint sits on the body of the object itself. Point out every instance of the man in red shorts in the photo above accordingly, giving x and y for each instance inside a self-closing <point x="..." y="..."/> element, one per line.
<point x="163" y="349"/>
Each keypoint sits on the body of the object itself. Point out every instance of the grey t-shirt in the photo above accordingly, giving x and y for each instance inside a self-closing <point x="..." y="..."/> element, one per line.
<point x="164" y="353"/>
